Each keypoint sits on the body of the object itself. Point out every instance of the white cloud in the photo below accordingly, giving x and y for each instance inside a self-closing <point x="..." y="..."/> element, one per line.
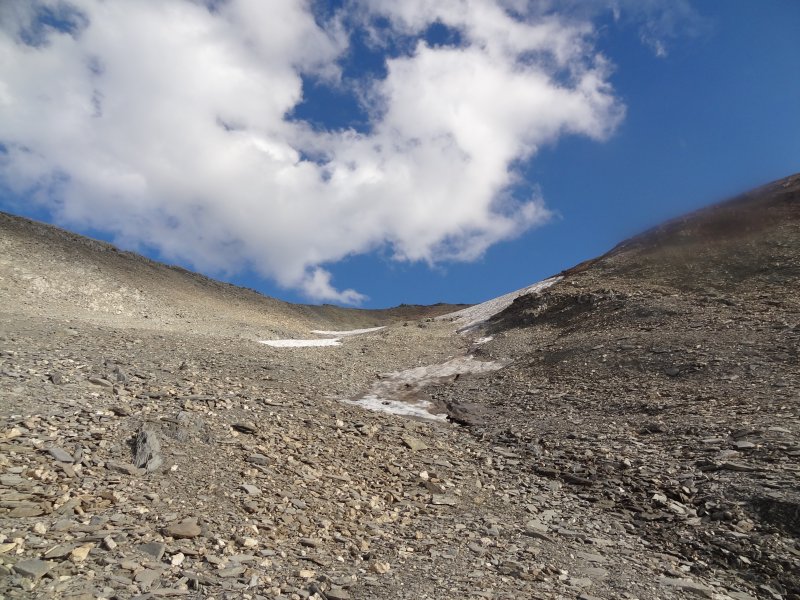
<point x="317" y="284"/>
<point x="166" y="124"/>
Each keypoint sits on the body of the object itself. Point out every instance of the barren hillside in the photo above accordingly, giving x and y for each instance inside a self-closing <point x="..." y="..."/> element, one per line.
<point x="628" y="430"/>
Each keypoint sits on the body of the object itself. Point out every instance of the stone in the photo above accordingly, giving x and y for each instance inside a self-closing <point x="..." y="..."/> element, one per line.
<point x="232" y="572"/>
<point x="60" y="551"/>
<point x="154" y="549"/>
<point x="740" y="595"/>
<point x="245" y="428"/>
<point x="259" y="459"/>
<point x="60" y="454"/>
<point x="413" y="443"/>
<point x="80" y="553"/>
<point x="444" y="500"/>
<point x="148" y="450"/>
<point x="99" y="381"/>
<point x="534" y="525"/>
<point x="306" y="574"/>
<point x="33" y="568"/>
<point x="184" y="530"/>
<point x="125" y="468"/>
<point x="146" y="578"/>
<point x="7" y="547"/>
<point x="381" y="568"/>
<point x="27" y="511"/>
<point x="251" y="489"/>
<point x="687" y="585"/>
<point x="337" y="593"/>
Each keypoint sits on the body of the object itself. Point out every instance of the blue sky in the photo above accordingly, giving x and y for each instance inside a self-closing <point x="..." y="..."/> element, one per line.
<point x="387" y="153"/>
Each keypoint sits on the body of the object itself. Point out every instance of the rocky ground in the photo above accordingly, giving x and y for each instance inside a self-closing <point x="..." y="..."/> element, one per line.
<point x="642" y="442"/>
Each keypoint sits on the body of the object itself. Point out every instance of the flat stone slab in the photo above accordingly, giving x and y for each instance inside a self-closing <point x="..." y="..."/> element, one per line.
<point x="33" y="567"/>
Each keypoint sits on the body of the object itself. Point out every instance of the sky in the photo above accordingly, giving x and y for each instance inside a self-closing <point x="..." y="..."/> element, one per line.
<point x="374" y="152"/>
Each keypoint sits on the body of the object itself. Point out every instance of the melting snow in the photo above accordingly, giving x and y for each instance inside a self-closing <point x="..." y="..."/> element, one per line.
<point x="301" y="343"/>
<point x="420" y="409"/>
<point x="335" y="341"/>
<point x="398" y="393"/>
<point x="475" y="315"/>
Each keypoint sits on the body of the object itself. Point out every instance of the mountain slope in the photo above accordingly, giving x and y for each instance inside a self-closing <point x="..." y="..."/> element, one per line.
<point x="662" y="379"/>
<point x="637" y="434"/>
<point x="46" y="270"/>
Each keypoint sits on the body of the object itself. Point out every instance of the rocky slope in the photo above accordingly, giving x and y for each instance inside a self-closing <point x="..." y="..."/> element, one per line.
<point x="642" y="440"/>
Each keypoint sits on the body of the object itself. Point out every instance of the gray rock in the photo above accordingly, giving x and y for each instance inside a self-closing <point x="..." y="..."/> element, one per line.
<point x="126" y="468"/>
<point x="251" y="489"/>
<point x="687" y="585"/>
<point x="60" y="454"/>
<point x="60" y="551"/>
<point x="148" y="450"/>
<point x="147" y="578"/>
<point x="444" y="500"/>
<point x="185" y="530"/>
<point x="232" y="572"/>
<point x="337" y="593"/>
<point x="33" y="567"/>
<point x="414" y="443"/>
<point x="244" y="428"/>
<point x="154" y="549"/>
<point x="258" y="459"/>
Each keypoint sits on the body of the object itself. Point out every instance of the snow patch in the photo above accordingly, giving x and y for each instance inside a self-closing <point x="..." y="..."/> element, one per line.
<point x="335" y="341"/>
<point x="301" y="343"/>
<point x="398" y="393"/>
<point x="475" y="315"/>
<point x="483" y="340"/>
<point x="420" y="409"/>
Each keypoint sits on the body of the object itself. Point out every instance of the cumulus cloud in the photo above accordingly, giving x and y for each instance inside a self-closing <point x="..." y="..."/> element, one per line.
<point x="169" y="124"/>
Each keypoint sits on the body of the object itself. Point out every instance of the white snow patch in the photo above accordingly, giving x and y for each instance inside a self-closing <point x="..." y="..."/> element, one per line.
<point x="335" y="341"/>
<point x="398" y="393"/>
<point x="475" y="315"/>
<point x="419" y="409"/>
<point x="483" y="340"/>
<point x="421" y="376"/>
<point x="347" y="333"/>
<point x="301" y="343"/>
